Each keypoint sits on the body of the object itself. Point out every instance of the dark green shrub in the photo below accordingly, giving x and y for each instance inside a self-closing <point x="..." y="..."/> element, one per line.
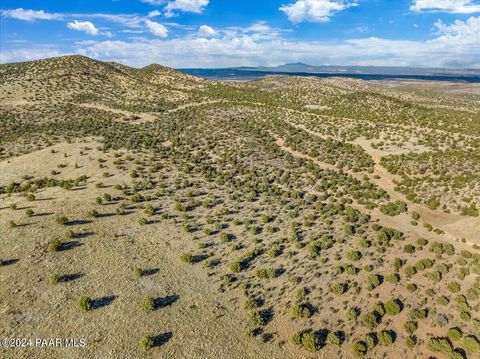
<point x="354" y="255"/>
<point x="359" y="349"/>
<point x="410" y="326"/>
<point x="85" y="303"/>
<point x="386" y="337"/>
<point x="408" y="248"/>
<point x="137" y="272"/>
<point x="454" y="287"/>
<point x="373" y="280"/>
<point x="352" y="313"/>
<point x="443" y="300"/>
<point x="149" y="210"/>
<point x="61" y="220"/>
<point x="266" y="273"/>
<point x="187" y="258"/>
<point x="146" y="342"/>
<point x="54" y="245"/>
<point x="301" y="311"/>
<point x="411" y="287"/>
<point x="370" y="320"/>
<point x="333" y="339"/>
<point x="472" y="344"/>
<point x="257" y="318"/>
<point x="93" y="213"/>
<point x="410" y="342"/>
<point x="339" y="288"/>
<point x="454" y="334"/>
<point x="148" y="304"/>
<point x="392" y="307"/>
<point x="392" y="278"/>
<point x="393" y="208"/>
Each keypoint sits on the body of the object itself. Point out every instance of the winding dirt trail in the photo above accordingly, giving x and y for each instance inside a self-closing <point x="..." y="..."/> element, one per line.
<point x="455" y="226"/>
<point x="142" y="117"/>
<point x="194" y="104"/>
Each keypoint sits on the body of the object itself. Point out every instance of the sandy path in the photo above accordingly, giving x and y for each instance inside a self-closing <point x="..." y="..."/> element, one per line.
<point x="142" y="116"/>
<point x="455" y="226"/>
<point x="194" y="104"/>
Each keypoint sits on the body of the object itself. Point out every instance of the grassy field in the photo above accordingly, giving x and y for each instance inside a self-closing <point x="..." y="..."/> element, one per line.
<point x="158" y="215"/>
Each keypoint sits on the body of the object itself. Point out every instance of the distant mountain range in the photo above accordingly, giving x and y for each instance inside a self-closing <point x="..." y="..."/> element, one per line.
<point x="363" y="72"/>
<point x="371" y="70"/>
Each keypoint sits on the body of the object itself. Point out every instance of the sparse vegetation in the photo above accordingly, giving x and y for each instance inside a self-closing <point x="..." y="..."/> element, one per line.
<point x="85" y="303"/>
<point x="285" y="206"/>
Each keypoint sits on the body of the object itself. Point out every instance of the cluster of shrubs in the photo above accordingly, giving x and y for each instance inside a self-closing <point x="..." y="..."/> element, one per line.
<point x="444" y="345"/>
<point x="372" y="318"/>
<point x="31" y="185"/>
<point x="393" y="208"/>
<point x="316" y="340"/>
<point x="242" y="263"/>
<point x="361" y="347"/>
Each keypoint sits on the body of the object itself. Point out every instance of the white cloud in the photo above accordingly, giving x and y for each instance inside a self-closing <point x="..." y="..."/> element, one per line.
<point x="456" y="44"/>
<point x="154" y="13"/>
<point x="315" y="10"/>
<point x="128" y="20"/>
<point x="206" y="31"/>
<point x="128" y="31"/>
<point x="195" y="6"/>
<point x="154" y="2"/>
<point x="466" y="32"/>
<point x="260" y="26"/>
<point x="156" y="28"/>
<point x="451" y="6"/>
<point x="30" y="15"/>
<point x="83" y="26"/>
<point x="29" y="54"/>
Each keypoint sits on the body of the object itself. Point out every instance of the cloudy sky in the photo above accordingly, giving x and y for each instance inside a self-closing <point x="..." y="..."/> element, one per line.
<point x="222" y="33"/>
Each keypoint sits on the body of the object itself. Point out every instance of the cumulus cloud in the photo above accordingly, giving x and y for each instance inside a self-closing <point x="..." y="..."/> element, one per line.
<point x="83" y="26"/>
<point x="206" y="31"/>
<point x="195" y="6"/>
<point x="128" y="20"/>
<point x="314" y="10"/>
<point x="30" y="15"/>
<point x="467" y="32"/>
<point x="456" y="45"/>
<point x="451" y="6"/>
<point x="154" y="13"/>
<point x="156" y="28"/>
<point x="260" y="26"/>
<point x="30" y="54"/>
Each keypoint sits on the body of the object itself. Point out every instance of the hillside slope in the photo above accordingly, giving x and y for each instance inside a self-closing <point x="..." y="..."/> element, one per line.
<point x="160" y="215"/>
<point x="80" y="79"/>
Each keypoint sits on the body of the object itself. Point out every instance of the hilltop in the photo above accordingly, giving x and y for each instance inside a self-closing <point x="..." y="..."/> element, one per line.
<point x="157" y="214"/>
<point x="80" y="79"/>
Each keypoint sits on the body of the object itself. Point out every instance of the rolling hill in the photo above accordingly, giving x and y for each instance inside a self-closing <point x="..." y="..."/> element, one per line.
<point x="156" y="214"/>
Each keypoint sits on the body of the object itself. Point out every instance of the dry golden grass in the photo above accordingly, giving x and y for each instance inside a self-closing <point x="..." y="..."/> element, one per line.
<point x="224" y="218"/>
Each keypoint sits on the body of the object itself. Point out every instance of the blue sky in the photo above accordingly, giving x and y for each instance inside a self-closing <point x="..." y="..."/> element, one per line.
<point x="221" y="33"/>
